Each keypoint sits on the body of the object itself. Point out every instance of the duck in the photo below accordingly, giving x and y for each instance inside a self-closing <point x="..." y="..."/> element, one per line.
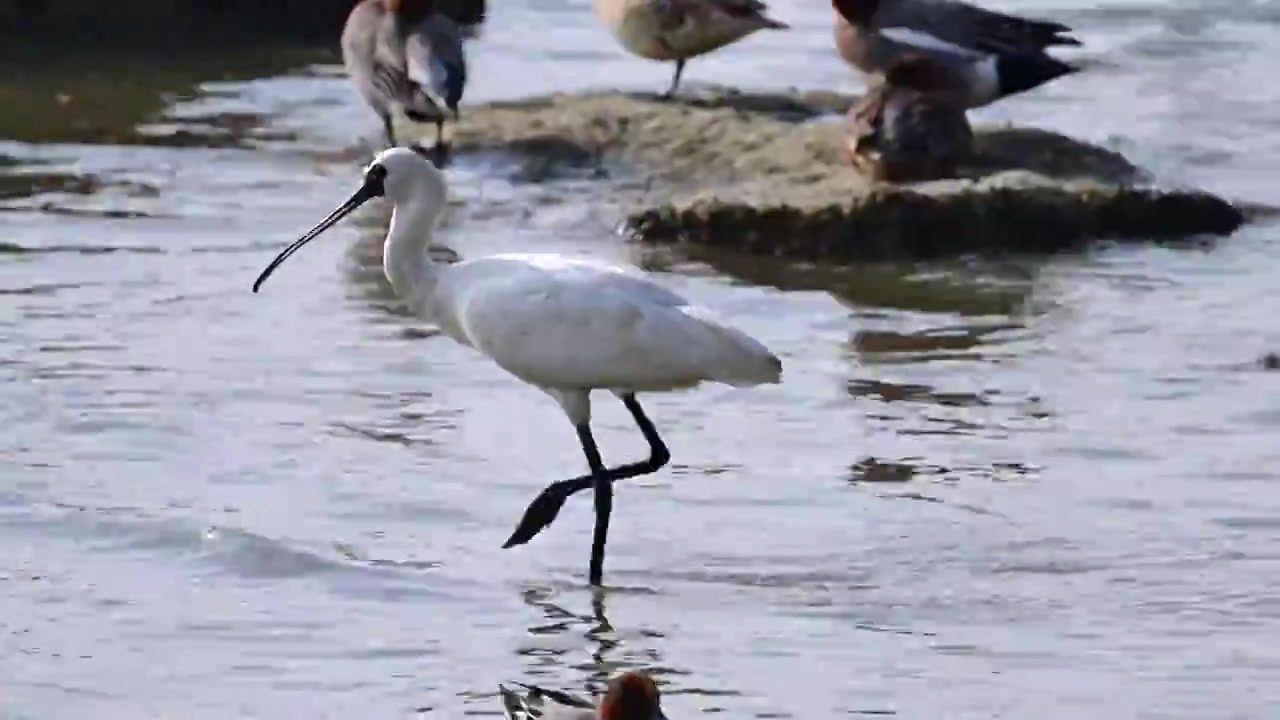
<point x="993" y="55"/>
<point x="677" y="30"/>
<point x="912" y="127"/>
<point x="630" y="695"/>
<point x="407" y="55"/>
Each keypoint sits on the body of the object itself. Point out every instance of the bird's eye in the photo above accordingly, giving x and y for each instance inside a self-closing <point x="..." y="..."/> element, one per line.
<point x="374" y="178"/>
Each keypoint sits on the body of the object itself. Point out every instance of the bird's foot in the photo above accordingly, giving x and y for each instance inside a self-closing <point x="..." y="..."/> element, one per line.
<point x="540" y="513"/>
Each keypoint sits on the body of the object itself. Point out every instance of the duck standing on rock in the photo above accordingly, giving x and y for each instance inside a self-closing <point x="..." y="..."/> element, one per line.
<point x="992" y="55"/>
<point x="911" y="127"/>
<point x="408" y="55"/>
<point x="681" y="29"/>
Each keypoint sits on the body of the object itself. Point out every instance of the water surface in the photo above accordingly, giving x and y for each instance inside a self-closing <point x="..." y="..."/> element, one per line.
<point x="1026" y="488"/>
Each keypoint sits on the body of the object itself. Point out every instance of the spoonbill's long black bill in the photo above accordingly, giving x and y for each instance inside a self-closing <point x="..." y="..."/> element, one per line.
<point x="371" y="189"/>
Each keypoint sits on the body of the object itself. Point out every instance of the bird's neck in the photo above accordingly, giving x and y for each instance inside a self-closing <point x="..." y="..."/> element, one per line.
<point x="412" y="273"/>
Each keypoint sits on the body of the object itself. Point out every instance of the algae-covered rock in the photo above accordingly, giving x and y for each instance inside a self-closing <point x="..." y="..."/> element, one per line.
<point x="766" y="173"/>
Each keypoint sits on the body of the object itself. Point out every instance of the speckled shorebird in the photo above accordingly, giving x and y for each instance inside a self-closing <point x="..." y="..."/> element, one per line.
<point x="681" y="29"/>
<point x="992" y="55"/>
<point x="408" y="55"/>
<point x="912" y="126"/>
<point x="630" y="696"/>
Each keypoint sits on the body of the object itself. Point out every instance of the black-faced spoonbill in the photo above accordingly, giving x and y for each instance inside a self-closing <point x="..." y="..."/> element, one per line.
<point x="566" y="326"/>
<point x="407" y="54"/>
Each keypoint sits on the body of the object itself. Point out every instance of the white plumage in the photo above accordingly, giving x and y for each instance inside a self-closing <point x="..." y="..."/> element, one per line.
<point x="567" y="326"/>
<point x="570" y="326"/>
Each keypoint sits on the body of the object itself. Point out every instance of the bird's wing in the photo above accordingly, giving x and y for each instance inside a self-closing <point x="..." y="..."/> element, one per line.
<point x="370" y="56"/>
<point x="435" y="58"/>
<point x="391" y="81"/>
<point x="572" y="325"/>
<point x="594" y="272"/>
<point x="534" y="706"/>
<point x="374" y="55"/>
<point x="971" y="27"/>
<point x="674" y="15"/>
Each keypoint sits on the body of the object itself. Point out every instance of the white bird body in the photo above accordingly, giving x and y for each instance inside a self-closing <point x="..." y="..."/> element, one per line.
<point x="565" y="325"/>
<point x="571" y="325"/>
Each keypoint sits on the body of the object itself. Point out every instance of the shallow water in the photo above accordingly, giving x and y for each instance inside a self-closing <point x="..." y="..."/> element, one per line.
<point x="1033" y="488"/>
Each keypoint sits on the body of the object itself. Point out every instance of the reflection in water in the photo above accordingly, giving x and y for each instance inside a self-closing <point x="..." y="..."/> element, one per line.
<point x="847" y="563"/>
<point x="956" y="342"/>
<point x="59" y="99"/>
<point x="871" y="470"/>
<point x="913" y="392"/>
<point x="989" y="289"/>
<point x="607" y="649"/>
<point x="47" y="191"/>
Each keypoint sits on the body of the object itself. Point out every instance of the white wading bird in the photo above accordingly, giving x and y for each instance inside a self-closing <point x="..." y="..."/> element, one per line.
<point x="567" y="326"/>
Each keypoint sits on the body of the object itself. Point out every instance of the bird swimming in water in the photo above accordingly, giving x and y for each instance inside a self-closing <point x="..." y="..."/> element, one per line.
<point x="681" y="29"/>
<point x="567" y="326"/>
<point x="912" y="126"/>
<point x="629" y="696"/>
<point x="990" y="55"/>
<point x="407" y="55"/>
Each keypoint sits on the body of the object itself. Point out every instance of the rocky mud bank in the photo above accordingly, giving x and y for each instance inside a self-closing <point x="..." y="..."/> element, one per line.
<point x="766" y="174"/>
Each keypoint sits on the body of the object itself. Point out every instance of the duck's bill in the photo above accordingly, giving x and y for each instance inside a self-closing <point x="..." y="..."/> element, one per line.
<point x="367" y="192"/>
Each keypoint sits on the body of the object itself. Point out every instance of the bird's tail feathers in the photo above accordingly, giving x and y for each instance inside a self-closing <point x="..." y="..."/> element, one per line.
<point x="1023" y="71"/>
<point x="737" y="359"/>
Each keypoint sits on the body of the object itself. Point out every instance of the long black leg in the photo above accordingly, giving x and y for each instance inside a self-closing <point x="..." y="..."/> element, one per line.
<point x="675" y="80"/>
<point x="441" y="150"/>
<point x="544" y="508"/>
<point x="386" y="127"/>
<point x="604" y="502"/>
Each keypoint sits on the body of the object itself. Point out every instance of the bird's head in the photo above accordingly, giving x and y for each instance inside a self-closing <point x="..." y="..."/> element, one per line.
<point x="632" y="696"/>
<point x="401" y="175"/>
<point x="856" y="12"/>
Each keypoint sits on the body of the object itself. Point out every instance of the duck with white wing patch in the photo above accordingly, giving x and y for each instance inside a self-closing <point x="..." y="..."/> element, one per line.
<point x="990" y="55"/>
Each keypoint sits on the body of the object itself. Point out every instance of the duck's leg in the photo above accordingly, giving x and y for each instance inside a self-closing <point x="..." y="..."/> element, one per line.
<point x="386" y="128"/>
<point x="440" y="131"/>
<point x="544" y="508"/>
<point x="675" y="81"/>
